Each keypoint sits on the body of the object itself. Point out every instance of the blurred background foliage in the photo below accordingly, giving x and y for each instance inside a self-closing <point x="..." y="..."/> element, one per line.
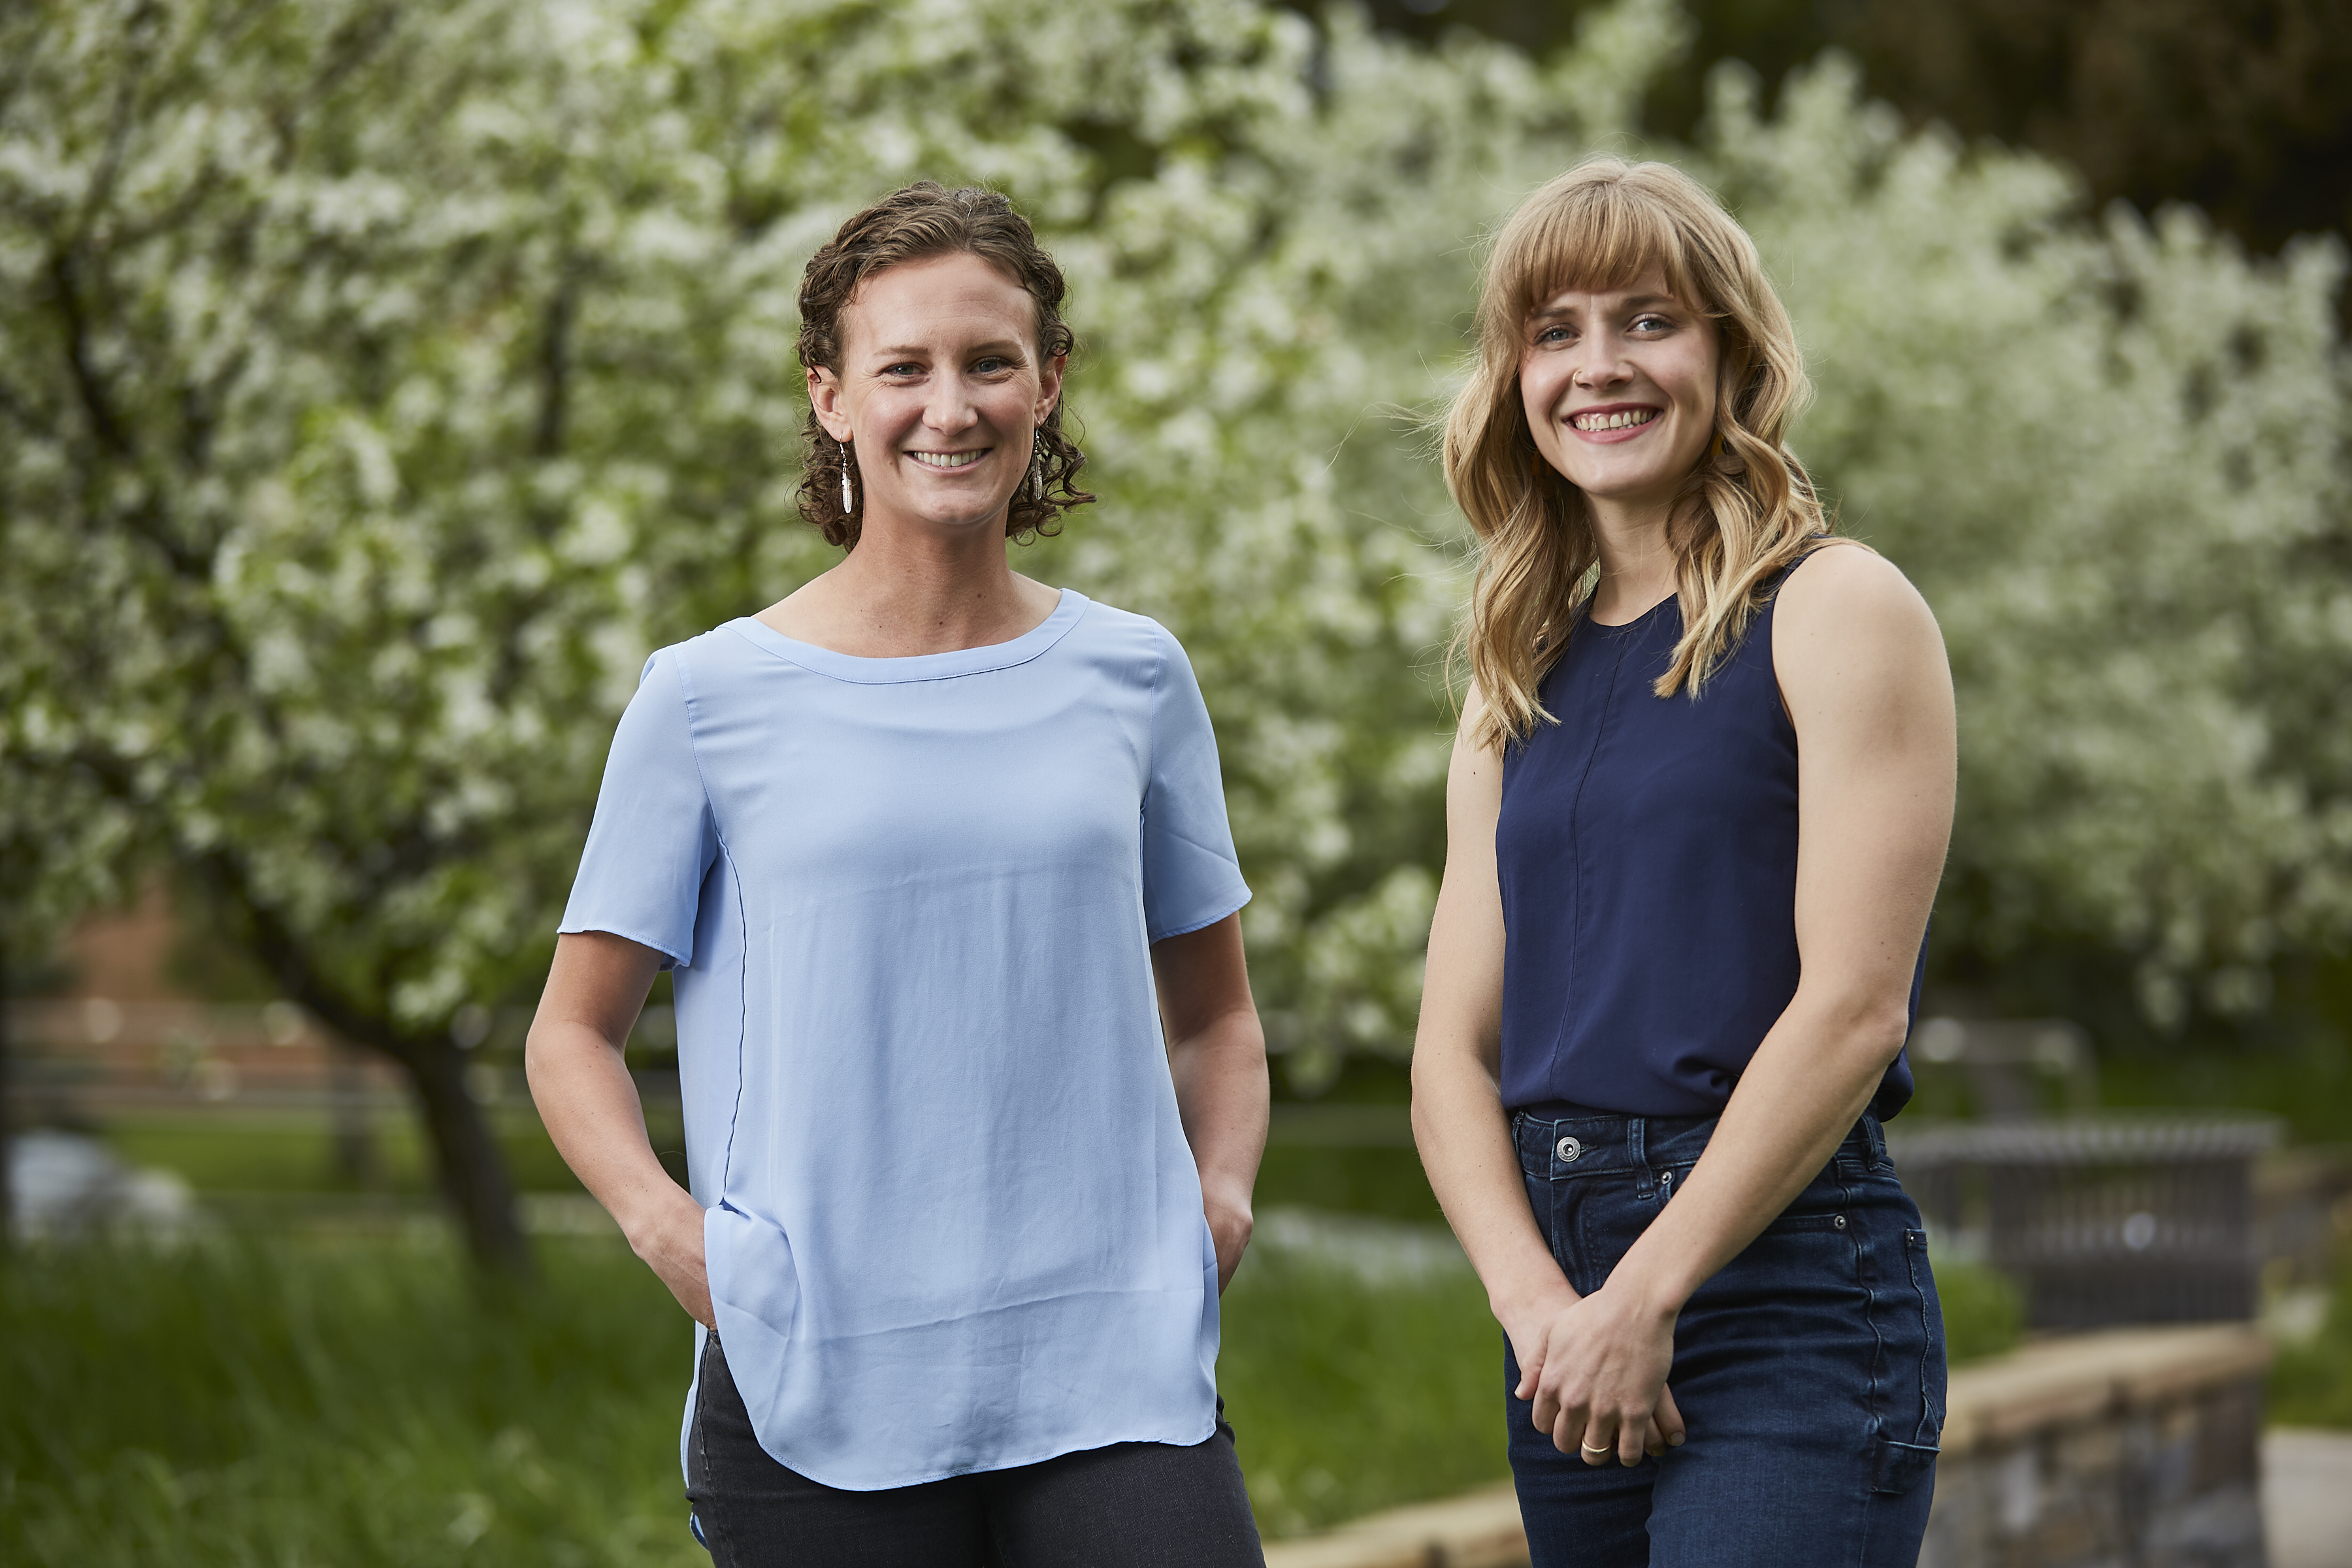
<point x="380" y="383"/>
<point x="2233" y="105"/>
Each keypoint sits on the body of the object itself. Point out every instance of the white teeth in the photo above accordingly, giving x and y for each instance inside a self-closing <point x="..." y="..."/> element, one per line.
<point x="947" y="460"/>
<point x="1617" y="421"/>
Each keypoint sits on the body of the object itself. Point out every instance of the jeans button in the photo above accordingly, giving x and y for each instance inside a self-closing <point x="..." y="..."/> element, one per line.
<point x="1838" y="1222"/>
<point x="1567" y="1149"/>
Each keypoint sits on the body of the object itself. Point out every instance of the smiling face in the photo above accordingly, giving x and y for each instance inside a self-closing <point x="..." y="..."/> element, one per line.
<point x="939" y="392"/>
<point x="1619" y="388"/>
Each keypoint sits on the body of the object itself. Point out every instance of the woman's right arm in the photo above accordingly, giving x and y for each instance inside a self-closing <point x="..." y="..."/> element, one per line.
<point x="1458" y="1120"/>
<point x="590" y="1104"/>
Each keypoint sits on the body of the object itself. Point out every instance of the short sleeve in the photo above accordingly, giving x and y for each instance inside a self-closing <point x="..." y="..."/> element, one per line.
<point x="654" y="837"/>
<point x="1191" y="877"/>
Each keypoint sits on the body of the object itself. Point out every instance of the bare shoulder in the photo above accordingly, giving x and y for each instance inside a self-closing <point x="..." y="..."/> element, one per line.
<point x="1474" y="778"/>
<point x="1847" y="625"/>
<point x="1474" y="748"/>
<point x="1473" y="708"/>
<point x="1843" y="579"/>
<point x="1845" y="595"/>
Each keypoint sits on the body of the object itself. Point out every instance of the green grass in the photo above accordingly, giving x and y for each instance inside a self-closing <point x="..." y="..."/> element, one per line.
<point x="1347" y="1397"/>
<point x="1984" y="1312"/>
<point x="1384" y="1182"/>
<point x="358" y="1403"/>
<point x="357" y="1399"/>
<point x="336" y="1403"/>
<point x="363" y="1402"/>
<point x="2311" y="1381"/>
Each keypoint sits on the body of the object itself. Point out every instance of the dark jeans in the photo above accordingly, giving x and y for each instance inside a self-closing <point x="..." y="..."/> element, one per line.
<point x="1809" y="1369"/>
<point x="1132" y="1505"/>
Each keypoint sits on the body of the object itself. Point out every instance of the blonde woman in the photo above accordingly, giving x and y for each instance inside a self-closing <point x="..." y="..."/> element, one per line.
<point x="1697" y="809"/>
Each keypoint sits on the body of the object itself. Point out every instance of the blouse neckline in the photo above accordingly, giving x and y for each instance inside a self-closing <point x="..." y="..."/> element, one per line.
<point x="1628" y="626"/>
<point x="945" y="665"/>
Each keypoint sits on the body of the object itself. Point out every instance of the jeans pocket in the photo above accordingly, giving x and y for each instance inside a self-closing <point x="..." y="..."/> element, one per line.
<point x="1896" y="1468"/>
<point x="1931" y="1329"/>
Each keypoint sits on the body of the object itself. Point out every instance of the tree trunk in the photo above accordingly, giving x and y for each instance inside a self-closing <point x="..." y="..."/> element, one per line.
<point x="353" y="1131"/>
<point x="473" y="1172"/>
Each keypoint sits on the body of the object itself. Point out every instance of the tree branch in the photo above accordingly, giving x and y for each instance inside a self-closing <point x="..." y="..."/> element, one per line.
<point x="555" y="367"/>
<point x="97" y="405"/>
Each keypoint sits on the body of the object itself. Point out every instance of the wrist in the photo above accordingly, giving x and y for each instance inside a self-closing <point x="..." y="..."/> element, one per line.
<point x="1227" y="1195"/>
<point x="1654" y="1292"/>
<point x="1531" y="1294"/>
<point x="648" y="1214"/>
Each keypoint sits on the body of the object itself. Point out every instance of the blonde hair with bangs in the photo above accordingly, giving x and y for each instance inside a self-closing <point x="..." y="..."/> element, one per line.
<point x="1748" y="508"/>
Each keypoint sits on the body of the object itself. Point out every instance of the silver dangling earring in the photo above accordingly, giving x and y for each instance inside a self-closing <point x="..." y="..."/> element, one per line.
<point x="1036" y="467"/>
<point x="848" y="502"/>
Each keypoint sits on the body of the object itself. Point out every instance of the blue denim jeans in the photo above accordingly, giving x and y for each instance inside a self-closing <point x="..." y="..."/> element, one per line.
<point x="1809" y="1369"/>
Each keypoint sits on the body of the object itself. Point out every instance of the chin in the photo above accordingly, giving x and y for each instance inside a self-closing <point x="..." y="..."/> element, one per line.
<point x="958" y="519"/>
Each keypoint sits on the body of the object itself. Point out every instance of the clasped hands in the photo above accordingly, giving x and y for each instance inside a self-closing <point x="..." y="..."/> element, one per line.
<point x="1595" y="1367"/>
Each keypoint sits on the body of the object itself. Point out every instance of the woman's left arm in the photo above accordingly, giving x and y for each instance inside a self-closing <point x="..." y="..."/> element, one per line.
<point x="1216" y="1053"/>
<point x="1861" y="670"/>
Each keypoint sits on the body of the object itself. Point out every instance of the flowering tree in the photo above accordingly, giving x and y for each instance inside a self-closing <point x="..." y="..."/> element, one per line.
<point x="380" y="383"/>
<point x="2112" y="454"/>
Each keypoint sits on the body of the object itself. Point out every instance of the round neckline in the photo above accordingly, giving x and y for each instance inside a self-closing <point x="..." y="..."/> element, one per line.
<point x="944" y="666"/>
<point x="1637" y="620"/>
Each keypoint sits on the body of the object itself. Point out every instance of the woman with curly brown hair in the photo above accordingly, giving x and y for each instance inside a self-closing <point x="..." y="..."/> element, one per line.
<point x="932" y="850"/>
<point x="1695" y="817"/>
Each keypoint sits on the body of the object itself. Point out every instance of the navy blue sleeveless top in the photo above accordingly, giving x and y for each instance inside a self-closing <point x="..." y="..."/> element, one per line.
<point x="1647" y="853"/>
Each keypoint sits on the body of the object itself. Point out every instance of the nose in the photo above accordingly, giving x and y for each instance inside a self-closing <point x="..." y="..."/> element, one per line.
<point x="1601" y="361"/>
<point x="949" y="410"/>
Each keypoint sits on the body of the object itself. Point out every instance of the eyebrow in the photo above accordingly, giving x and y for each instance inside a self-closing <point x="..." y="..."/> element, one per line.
<point x="910" y="351"/>
<point x="1639" y="302"/>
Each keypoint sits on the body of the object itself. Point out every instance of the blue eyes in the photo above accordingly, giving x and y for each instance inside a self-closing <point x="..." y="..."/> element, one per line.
<point x="1638" y="324"/>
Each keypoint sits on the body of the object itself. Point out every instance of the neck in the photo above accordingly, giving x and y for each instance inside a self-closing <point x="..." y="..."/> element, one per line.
<point x="906" y="591"/>
<point x="1637" y="562"/>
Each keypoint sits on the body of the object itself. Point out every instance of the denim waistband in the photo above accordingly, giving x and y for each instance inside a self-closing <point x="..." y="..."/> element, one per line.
<point x="1599" y="1143"/>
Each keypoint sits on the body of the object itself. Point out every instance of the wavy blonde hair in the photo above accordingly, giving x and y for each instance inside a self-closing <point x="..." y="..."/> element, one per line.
<point x="1748" y="508"/>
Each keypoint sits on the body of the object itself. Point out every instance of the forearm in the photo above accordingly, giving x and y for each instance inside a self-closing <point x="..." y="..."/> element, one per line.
<point x="1222" y="1096"/>
<point x="590" y="1106"/>
<point x="1809" y="1083"/>
<point x="1465" y="1138"/>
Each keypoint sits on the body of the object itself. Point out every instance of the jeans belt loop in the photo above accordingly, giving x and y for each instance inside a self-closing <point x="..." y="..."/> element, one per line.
<point x="1637" y="1149"/>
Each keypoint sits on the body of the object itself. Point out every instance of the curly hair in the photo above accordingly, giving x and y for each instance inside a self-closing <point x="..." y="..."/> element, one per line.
<point x="1747" y="511"/>
<point x="922" y="221"/>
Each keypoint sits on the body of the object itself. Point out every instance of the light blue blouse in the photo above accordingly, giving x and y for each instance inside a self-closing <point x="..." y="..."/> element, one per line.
<point x="952" y="1223"/>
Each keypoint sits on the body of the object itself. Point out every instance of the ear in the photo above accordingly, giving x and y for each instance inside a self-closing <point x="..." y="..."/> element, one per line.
<point x="1049" y="386"/>
<point x="825" y="398"/>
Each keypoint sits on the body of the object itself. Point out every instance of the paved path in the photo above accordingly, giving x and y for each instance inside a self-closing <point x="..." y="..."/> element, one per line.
<point x="2307" y="1498"/>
